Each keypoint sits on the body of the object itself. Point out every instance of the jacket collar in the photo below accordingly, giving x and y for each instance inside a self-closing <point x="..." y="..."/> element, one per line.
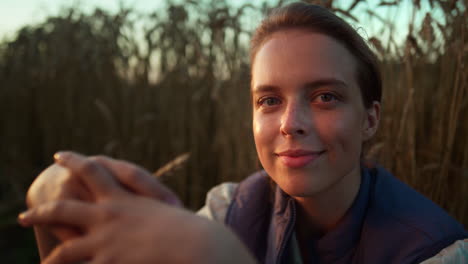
<point x="331" y="247"/>
<point x="266" y="225"/>
<point x="283" y="220"/>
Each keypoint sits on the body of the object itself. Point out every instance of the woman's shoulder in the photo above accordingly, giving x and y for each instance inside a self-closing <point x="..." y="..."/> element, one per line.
<point x="407" y="219"/>
<point x="217" y="201"/>
<point x="457" y="253"/>
<point x="220" y="197"/>
<point x="397" y="201"/>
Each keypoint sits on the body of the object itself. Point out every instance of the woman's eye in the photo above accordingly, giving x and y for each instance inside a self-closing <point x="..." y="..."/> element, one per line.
<point x="327" y="97"/>
<point x="269" y="101"/>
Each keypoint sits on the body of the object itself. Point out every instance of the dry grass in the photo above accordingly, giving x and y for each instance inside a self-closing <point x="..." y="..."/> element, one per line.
<point x="90" y="83"/>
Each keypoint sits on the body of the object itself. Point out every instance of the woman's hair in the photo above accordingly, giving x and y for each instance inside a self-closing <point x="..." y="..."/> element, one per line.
<point x="318" y="19"/>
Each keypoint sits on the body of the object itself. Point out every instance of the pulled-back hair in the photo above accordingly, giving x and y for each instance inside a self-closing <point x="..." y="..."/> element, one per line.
<point x="313" y="18"/>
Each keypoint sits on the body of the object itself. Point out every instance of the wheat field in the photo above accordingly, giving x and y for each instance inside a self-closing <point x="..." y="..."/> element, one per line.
<point x="151" y="87"/>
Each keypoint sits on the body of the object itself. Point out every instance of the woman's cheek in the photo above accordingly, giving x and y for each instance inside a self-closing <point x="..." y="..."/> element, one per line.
<point x="341" y="133"/>
<point x="265" y="132"/>
<point x="265" y="127"/>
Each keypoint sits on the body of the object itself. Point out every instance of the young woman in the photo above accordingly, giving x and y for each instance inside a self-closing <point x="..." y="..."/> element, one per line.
<point x="316" y="93"/>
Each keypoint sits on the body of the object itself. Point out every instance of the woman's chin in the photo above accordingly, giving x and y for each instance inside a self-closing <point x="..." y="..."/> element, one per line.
<point x="298" y="185"/>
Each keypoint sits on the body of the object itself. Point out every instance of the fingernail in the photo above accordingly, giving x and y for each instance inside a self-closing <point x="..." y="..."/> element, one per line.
<point x="58" y="156"/>
<point x="23" y="218"/>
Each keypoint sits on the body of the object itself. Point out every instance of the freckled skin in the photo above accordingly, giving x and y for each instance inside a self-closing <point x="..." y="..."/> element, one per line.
<point x="298" y="117"/>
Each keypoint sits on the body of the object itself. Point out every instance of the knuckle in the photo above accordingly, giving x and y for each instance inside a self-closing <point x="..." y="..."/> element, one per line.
<point x="109" y="212"/>
<point x="133" y="175"/>
<point x="56" y="208"/>
<point x="51" y="184"/>
<point x="98" y="158"/>
<point x="90" y="166"/>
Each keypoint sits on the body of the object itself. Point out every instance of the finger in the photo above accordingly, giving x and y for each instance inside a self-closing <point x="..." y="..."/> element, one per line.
<point x="72" y="251"/>
<point x="138" y="180"/>
<point x="64" y="212"/>
<point x="98" y="179"/>
<point x="64" y="233"/>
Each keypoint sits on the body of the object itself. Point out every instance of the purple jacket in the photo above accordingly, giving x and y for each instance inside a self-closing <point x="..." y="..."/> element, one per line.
<point x="388" y="222"/>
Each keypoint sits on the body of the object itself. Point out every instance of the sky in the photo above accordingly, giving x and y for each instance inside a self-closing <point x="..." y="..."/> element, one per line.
<point x="15" y="14"/>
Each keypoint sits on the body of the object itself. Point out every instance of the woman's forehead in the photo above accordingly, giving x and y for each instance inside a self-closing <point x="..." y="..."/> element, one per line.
<point x="297" y="56"/>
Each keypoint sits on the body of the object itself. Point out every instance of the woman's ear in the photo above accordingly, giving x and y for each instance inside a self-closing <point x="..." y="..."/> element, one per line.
<point x="372" y="121"/>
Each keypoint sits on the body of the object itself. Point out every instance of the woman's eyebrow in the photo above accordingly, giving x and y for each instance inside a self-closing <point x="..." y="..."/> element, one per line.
<point x="325" y="82"/>
<point x="262" y="88"/>
<point x="265" y="88"/>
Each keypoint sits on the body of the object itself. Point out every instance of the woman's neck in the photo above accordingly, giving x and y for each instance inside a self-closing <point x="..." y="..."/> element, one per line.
<point x="320" y="213"/>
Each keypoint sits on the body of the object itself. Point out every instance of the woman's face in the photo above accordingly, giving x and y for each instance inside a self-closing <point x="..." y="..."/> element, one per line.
<point x="309" y="121"/>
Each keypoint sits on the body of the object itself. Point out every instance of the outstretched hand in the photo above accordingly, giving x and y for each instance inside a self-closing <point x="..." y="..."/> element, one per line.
<point x="117" y="226"/>
<point x="63" y="181"/>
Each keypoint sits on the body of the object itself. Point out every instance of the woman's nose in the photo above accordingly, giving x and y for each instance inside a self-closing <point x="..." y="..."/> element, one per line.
<point x="296" y="120"/>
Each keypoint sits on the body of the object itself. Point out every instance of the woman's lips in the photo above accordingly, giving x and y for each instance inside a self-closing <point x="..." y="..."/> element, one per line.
<point x="298" y="159"/>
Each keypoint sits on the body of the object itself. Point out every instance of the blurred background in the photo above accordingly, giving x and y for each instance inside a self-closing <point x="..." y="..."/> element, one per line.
<point x="149" y="81"/>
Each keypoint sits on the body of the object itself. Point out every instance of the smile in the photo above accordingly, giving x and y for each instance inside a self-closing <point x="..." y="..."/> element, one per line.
<point x="298" y="158"/>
